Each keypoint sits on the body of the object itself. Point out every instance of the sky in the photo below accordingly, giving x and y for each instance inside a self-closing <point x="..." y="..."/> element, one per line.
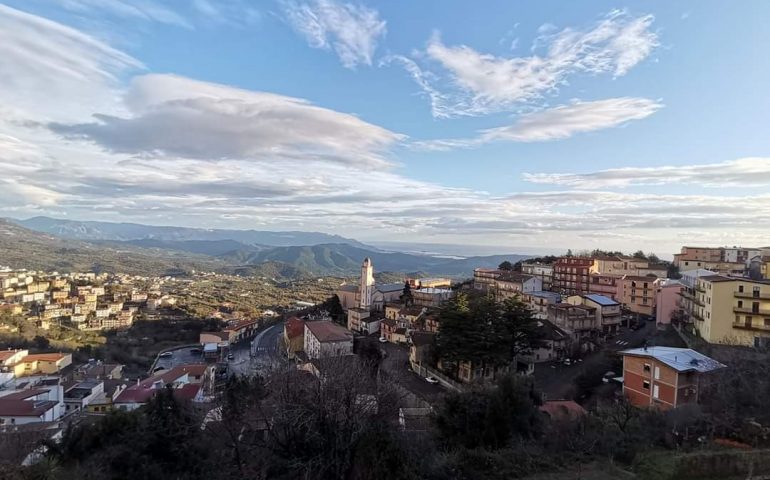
<point x="529" y="126"/>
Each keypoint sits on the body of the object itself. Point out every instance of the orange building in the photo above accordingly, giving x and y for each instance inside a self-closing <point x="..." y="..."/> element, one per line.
<point x="665" y="377"/>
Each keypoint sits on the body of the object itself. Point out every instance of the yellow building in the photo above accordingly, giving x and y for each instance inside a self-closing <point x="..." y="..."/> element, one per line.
<point x="42" y="363"/>
<point x="732" y="311"/>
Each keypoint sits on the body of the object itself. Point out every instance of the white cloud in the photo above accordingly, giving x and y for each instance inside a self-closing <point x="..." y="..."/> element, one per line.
<point x="227" y="12"/>
<point x="556" y="123"/>
<point x="176" y="116"/>
<point x="743" y="172"/>
<point x="352" y="31"/>
<point x="55" y="71"/>
<point x="146" y="10"/>
<point x="483" y="83"/>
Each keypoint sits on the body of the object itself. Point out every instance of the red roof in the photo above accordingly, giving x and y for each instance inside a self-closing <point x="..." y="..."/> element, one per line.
<point x="145" y="390"/>
<point x="24" y="394"/>
<point x="294" y="327"/>
<point x="563" y="410"/>
<point x="187" y="392"/>
<point x="45" y="357"/>
<point x="6" y="354"/>
<point x="24" y="408"/>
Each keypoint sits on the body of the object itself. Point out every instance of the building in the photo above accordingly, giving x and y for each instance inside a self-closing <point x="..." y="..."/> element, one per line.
<point x="622" y="265"/>
<point x="188" y="382"/>
<point x="431" y="296"/>
<point x="42" y="363"/>
<point x="505" y="284"/>
<point x="577" y="320"/>
<point x="723" y="260"/>
<point x="327" y="339"/>
<point x="607" y="284"/>
<point x="571" y="275"/>
<point x="543" y="271"/>
<point x="556" y="343"/>
<point x="367" y="284"/>
<point x="667" y="301"/>
<point x="294" y="336"/>
<point x="421" y="348"/>
<point x="638" y="294"/>
<point x="665" y="377"/>
<point x="80" y="396"/>
<point x="386" y="293"/>
<point x="730" y="310"/>
<point x="32" y="405"/>
<point x="538" y="302"/>
<point x="607" y="310"/>
<point x="435" y="282"/>
<point x="349" y="296"/>
<point x="484" y="278"/>
<point x="687" y="294"/>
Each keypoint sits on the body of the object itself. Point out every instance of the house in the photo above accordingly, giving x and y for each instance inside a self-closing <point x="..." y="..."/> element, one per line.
<point x="42" y="363"/>
<point x="242" y="330"/>
<point x="665" y="377"/>
<point x="430" y="297"/>
<point x="578" y="320"/>
<point x="189" y="382"/>
<point x="393" y="330"/>
<point x="543" y="271"/>
<point x="327" y="339"/>
<point x="667" y="301"/>
<point x="538" y="302"/>
<point x="421" y="348"/>
<point x="220" y="339"/>
<point x="731" y="310"/>
<point x="510" y="284"/>
<point x="40" y="403"/>
<point x="469" y="372"/>
<point x="387" y="293"/>
<point x="79" y="396"/>
<point x="294" y="336"/>
<point x="9" y="358"/>
<point x="571" y="275"/>
<point x="356" y="319"/>
<point x="638" y="294"/>
<point x="433" y="282"/>
<point x="607" y="310"/>
<point x="556" y="343"/>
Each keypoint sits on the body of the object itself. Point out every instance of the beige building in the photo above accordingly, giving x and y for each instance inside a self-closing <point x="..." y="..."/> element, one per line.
<point x="733" y="311"/>
<point x="617" y="265"/>
<point x="637" y="294"/>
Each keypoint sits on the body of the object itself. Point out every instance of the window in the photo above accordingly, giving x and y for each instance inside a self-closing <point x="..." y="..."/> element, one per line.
<point x="748" y="321"/>
<point x="740" y="288"/>
<point x="646" y="368"/>
<point x="655" y="391"/>
<point x="740" y="303"/>
<point x="646" y="385"/>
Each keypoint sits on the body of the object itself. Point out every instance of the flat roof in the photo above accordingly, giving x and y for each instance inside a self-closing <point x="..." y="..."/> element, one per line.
<point x="601" y="299"/>
<point x="680" y="359"/>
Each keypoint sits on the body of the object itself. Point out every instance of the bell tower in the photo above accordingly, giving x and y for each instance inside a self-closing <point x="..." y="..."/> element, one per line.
<point x="367" y="284"/>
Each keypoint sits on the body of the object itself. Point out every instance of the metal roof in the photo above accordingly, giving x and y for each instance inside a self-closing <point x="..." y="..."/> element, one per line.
<point x="680" y="359"/>
<point x="601" y="299"/>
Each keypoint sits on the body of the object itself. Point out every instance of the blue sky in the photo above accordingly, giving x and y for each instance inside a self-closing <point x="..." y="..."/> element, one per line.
<point x="527" y="125"/>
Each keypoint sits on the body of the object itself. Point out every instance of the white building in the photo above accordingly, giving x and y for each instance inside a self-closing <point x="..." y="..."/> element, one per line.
<point x="327" y="339"/>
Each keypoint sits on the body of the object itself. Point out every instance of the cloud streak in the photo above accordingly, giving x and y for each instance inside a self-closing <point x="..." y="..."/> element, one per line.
<point x="743" y="172"/>
<point x="352" y="31"/>
<point x="556" y="123"/>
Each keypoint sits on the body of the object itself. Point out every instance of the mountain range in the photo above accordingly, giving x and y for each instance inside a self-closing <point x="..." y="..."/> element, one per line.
<point x="155" y="249"/>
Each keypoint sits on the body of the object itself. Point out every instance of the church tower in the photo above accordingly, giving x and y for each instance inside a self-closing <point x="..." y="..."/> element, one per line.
<point x="367" y="284"/>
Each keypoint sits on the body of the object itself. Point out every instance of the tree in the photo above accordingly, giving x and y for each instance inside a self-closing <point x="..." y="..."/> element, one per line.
<point x="652" y="258"/>
<point x="406" y="294"/>
<point x="640" y="255"/>
<point x="672" y="271"/>
<point x="505" y="266"/>
<point x="569" y="252"/>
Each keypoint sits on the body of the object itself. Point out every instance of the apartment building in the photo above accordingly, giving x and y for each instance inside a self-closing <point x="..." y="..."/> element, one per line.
<point x="538" y="303"/>
<point x="622" y="265"/>
<point x="505" y="284"/>
<point x="327" y="339"/>
<point x="723" y="260"/>
<point x="578" y="320"/>
<point x="665" y="377"/>
<point x="606" y="309"/>
<point x="571" y="275"/>
<point x="543" y="271"/>
<point x="730" y="310"/>
<point x="606" y="284"/>
<point x="638" y="294"/>
<point x="667" y="301"/>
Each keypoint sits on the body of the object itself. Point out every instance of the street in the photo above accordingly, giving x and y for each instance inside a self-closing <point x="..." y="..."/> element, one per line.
<point x="396" y="364"/>
<point x="259" y="355"/>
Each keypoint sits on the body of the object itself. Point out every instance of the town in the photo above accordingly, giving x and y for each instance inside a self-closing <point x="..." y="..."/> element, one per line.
<point x="584" y="329"/>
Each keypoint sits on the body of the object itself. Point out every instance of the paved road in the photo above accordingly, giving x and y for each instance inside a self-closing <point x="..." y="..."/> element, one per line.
<point x="555" y="378"/>
<point x="259" y="355"/>
<point x="396" y="364"/>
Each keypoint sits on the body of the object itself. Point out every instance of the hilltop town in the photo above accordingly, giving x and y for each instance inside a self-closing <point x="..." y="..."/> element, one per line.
<point x="583" y="330"/>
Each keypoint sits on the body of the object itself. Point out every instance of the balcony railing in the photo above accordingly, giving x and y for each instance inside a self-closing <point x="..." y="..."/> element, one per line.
<point x="762" y="296"/>
<point x="751" y="326"/>
<point x="696" y="316"/>
<point x="762" y="311"/>
<point x="691" y="298"/>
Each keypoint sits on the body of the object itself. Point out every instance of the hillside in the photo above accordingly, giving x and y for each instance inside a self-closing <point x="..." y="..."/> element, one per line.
<point x="24" y="248"/>
<point x="135" y="231"/>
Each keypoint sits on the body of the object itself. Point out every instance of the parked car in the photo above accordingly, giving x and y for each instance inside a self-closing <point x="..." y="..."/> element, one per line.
<point x="383" y="340"/>
<point x="166" y="355"/>
<point x="231" y="356"/>
<point x="432" y="380"/>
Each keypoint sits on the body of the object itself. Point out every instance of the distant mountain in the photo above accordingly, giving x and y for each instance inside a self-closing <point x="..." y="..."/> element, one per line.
<point x="343" y="259"/>
<point x="24" y="248"/>
<point x="135" y="231"/>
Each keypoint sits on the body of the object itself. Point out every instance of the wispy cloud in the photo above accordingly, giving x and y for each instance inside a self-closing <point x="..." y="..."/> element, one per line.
<point x="352" y="31"/>
<point x="147" y="10"/>
<point x="744" y="172"/>
<point x="483" y="83"/>
<point x="227" y="12"/>
<point x="556" y="123"/>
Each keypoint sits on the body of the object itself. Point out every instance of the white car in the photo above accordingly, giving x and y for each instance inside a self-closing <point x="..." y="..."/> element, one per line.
<point x="432" y="380"/>
<point x="383" y="340"/>
<point x="166" y="355"/>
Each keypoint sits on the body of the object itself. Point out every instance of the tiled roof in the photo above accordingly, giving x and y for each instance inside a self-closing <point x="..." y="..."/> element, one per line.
<point x="144" y="391"/>
<point x="6" y="354"/>
<point x="294" y="327"/>
<point x="326" y="331"/>
<point x="24" y="408"/>
<point x="563" y="410"/>
<point x="349" y="288"/>
<point x="389" y="287"/>
<point x="45" y="357"/>
<point x="24" y="394"/>
<point x="680" y="359"/>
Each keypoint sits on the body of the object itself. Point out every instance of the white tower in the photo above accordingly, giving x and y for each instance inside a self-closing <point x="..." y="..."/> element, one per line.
<point x="367" y="284"/>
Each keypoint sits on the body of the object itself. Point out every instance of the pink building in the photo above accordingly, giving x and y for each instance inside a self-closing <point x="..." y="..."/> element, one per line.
<point x="666" y="299"/>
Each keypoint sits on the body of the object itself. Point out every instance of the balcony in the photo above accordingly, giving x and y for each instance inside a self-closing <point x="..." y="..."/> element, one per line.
<point x="696" y="316"/>
<point x="761" y="312"/>
<point x="761" y="295"/>
<point x="698" y="289"/>
<point x="751" y="326"/>
<point x="691" y="298"/>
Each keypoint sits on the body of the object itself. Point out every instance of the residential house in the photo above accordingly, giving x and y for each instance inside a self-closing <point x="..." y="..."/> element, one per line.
<point x="434" y="282"/>
<point x="294" y="336"/>
<point x="512" y="284"/>
<point x="421" y="348"/>
<point x="242" y="330"/>
<point x="394" y="330"/>
<point x="571" y="275"/>
<point x="578" y="320"/>
<point x="665" y="377"/>
<point x="188" y="382"/>
<point x="607" y="284"/>
<point x="79" y="396"/>
<point x="556" y="343"/>
<point x="607" y="310"/>
<point x="386" y="293"/>
<point x="42" y="363"/>
<point x="638" y="294"/>
<point x="327" y="339"/>
<point x="538" y="302"/>
<point x="431" y="297"/>
<point x="688" y="299"/>
<point x="544" y="271"/>
<point x="667" y="301"/>
<point x="32" y="405"/>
